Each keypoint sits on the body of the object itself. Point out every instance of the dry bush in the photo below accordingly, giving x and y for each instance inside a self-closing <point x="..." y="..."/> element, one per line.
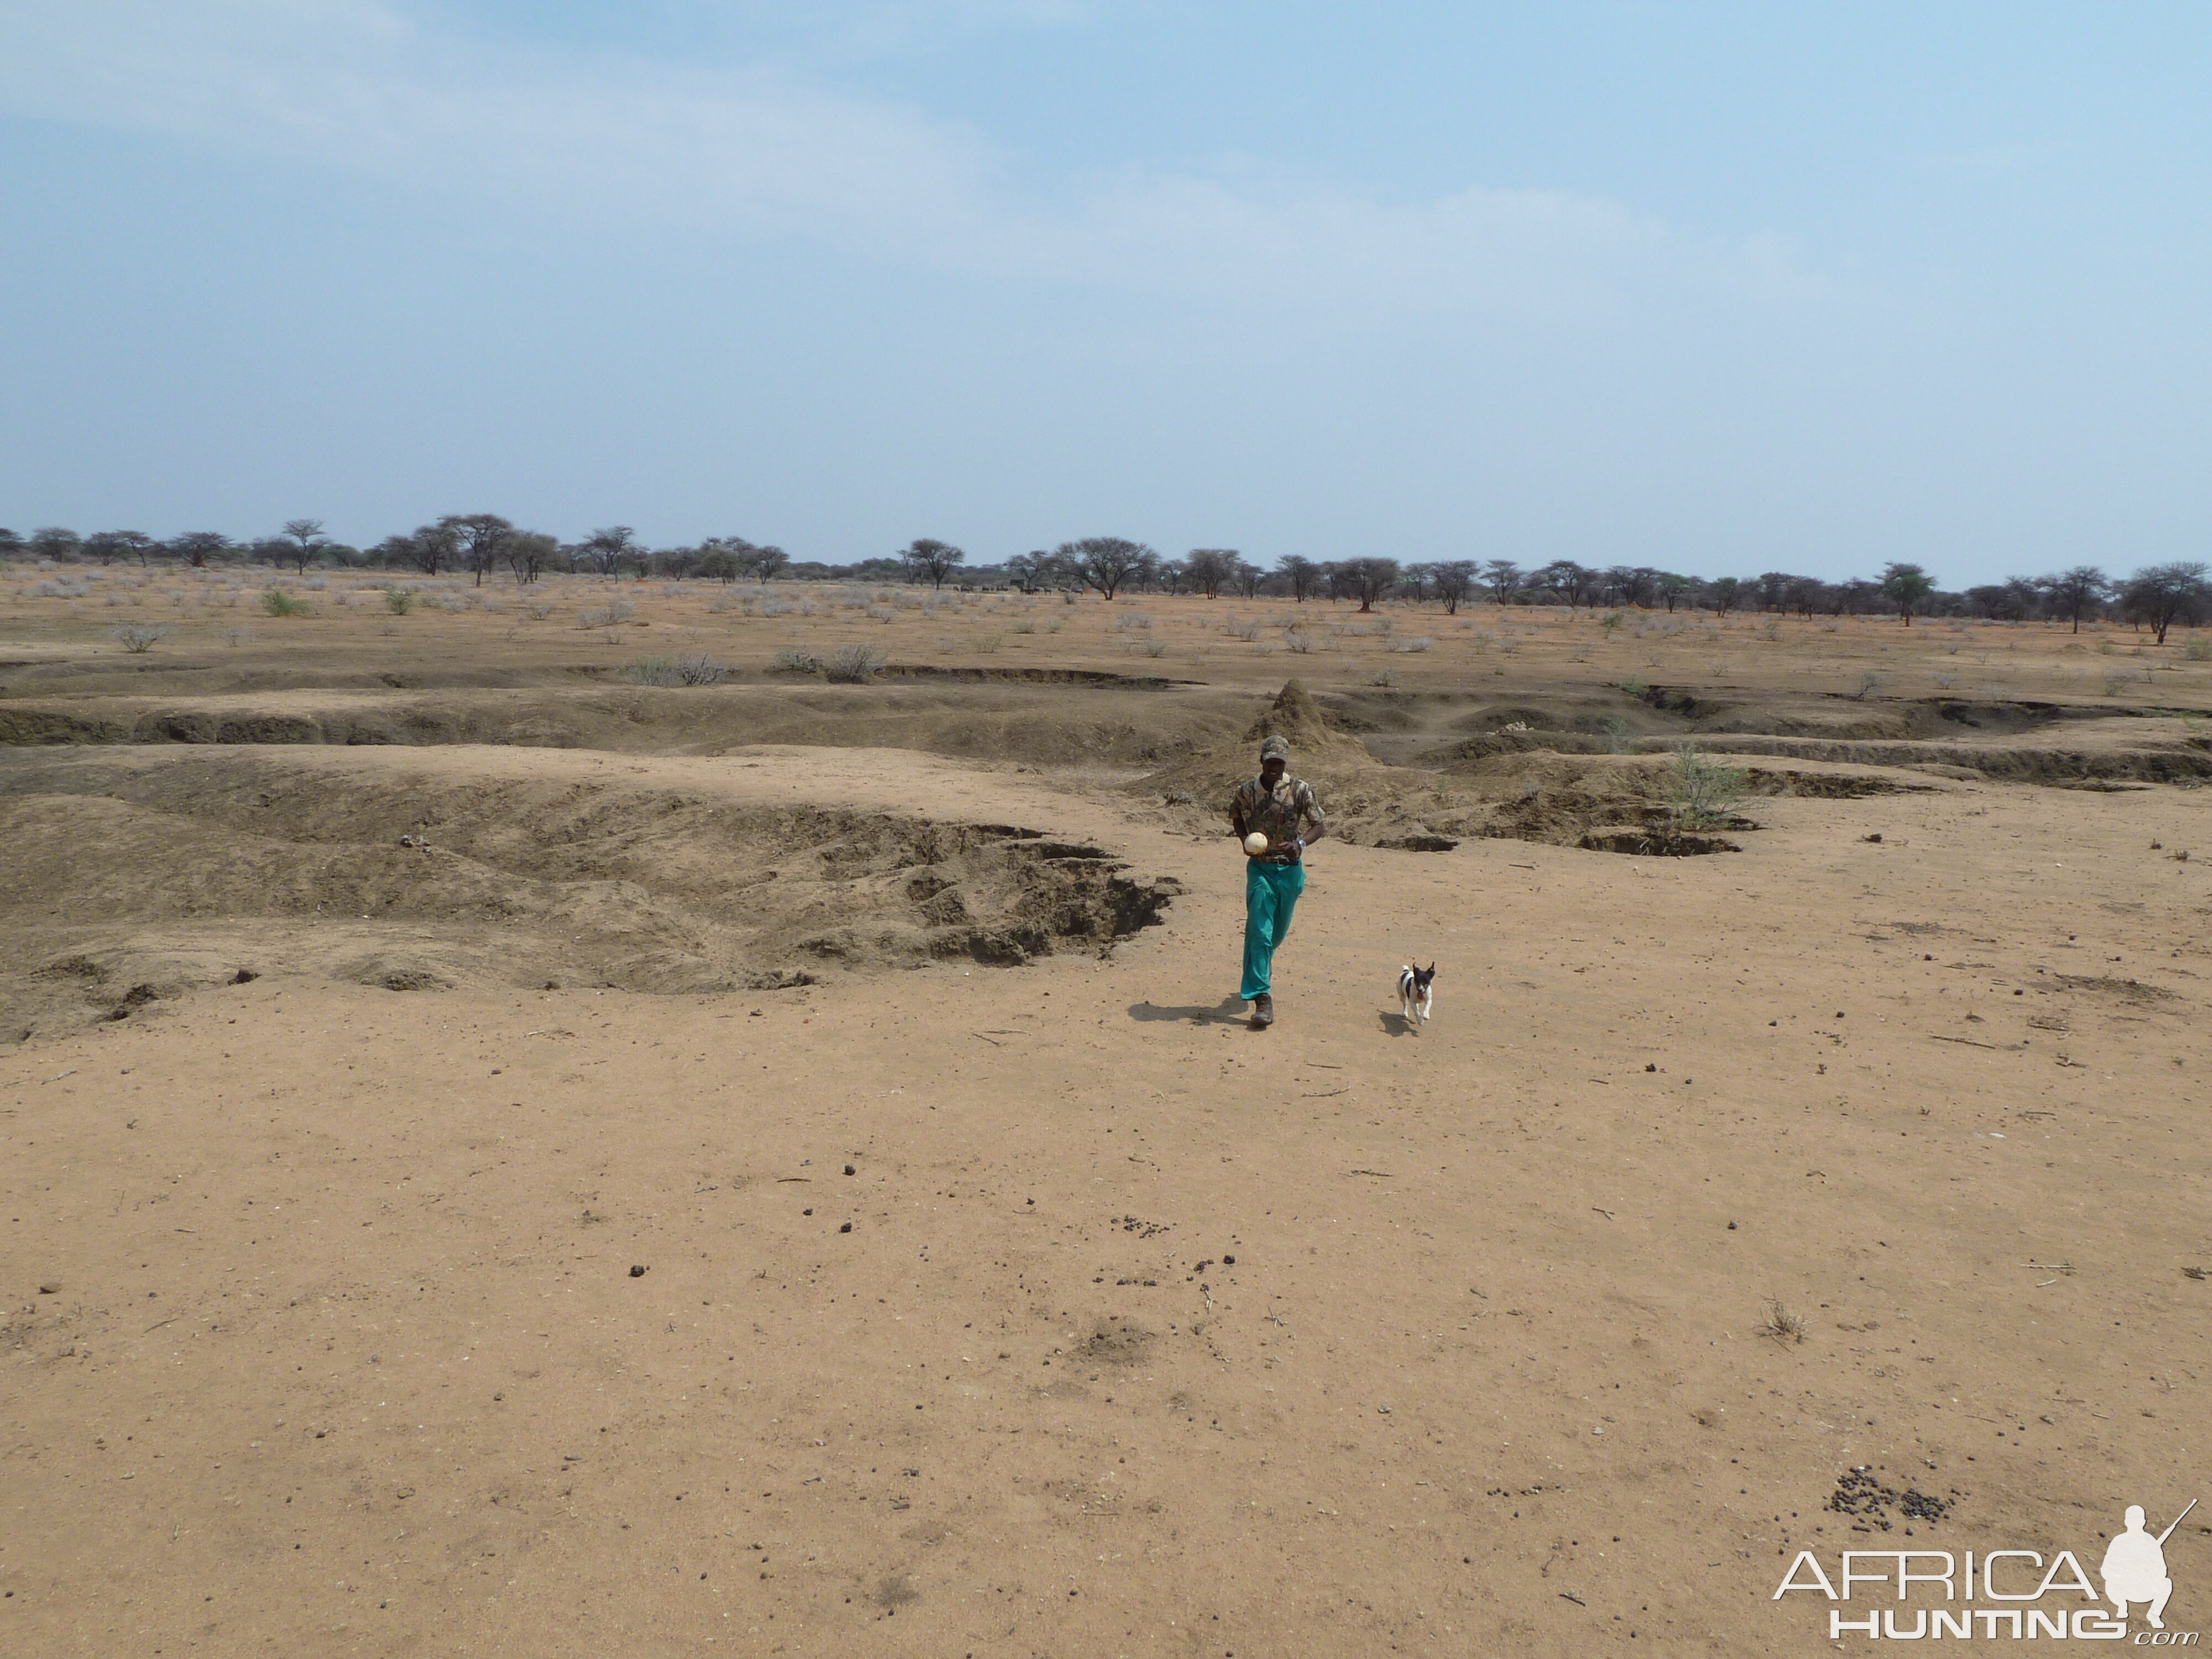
<point x="853" y="665"/>
<point x="797" y="659"/>
<point x="137" y="638"/>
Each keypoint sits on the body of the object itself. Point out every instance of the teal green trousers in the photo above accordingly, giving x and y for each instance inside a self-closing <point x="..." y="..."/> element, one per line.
<point x="1271" y="893"/>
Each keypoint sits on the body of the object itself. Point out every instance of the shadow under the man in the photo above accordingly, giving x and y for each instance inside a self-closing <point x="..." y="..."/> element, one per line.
<point x="1230" y="1011"/>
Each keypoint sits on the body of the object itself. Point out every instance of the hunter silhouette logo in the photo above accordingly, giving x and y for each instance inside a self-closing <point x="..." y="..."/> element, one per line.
<point x="2135" y="1567"/>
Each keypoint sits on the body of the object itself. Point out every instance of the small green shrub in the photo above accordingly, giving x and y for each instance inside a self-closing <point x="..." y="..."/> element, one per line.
<point x="2198" y="651"/>
<point x="1702" y="793"/>
<point x="1616" y="734"/>
<point x="278" y="603"/>
<point x="399" y="600"/>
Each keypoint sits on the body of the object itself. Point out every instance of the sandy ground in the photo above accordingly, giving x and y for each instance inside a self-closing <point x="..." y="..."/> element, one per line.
<point x="1152" y="1333"/>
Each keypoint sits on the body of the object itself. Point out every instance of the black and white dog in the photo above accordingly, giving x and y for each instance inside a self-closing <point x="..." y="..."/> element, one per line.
<point x="1416" y="990"/>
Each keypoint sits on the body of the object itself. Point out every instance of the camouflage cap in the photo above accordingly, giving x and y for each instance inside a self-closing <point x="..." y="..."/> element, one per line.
<point x="1275" y="748"/>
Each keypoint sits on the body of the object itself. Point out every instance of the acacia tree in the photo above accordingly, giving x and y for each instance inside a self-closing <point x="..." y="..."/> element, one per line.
<point x="1503" y="578"/>
<point x="306" y="539"/>
<point x="606" y="550"/>
<point x="480" y="536"/>
<point x="1725" y="593"/>
<point x="1905" y="586"/>
<point x="1453" y="580"/>
<point x="108" y="545"/>
<point x="765" y="563"/>
<point x="1106" y="563"/>
<point x="1246" y="577"/>
<point x="1304" y="575"/>
<point x="931" y="561"/>
<point x="528" y="552"/>
<point x="1369" y="580"/>
<point x="2073" y="594"/>
<point x="1209" y="569"/>
<point x="1674" y="589"/>
<point x="2161" y="595"/>
<point x="197" y="547"/>
<point x="429" y="548"/>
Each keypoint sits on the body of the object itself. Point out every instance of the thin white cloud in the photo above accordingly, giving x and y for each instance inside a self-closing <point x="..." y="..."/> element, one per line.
<point x="642" y="145"/>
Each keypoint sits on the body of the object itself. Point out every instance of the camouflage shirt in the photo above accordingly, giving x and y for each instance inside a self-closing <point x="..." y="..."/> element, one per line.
<point x="1279" y="814"/>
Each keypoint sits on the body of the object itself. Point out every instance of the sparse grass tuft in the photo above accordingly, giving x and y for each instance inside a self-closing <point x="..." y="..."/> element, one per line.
<point x="1781" y="1324"/>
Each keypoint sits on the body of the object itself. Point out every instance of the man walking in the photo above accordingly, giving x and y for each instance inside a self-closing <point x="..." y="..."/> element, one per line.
<point x="1283" y="809"/>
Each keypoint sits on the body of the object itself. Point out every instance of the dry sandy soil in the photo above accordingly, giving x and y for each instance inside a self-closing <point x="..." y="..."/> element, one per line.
<point x="1002" y="1292"/>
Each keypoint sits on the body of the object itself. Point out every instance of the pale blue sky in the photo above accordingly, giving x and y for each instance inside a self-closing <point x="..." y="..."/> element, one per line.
<point x="1724" y="289"/>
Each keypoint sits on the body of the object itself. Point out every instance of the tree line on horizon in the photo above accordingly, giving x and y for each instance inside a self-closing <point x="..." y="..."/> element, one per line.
<point x="2157" y="596"/>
